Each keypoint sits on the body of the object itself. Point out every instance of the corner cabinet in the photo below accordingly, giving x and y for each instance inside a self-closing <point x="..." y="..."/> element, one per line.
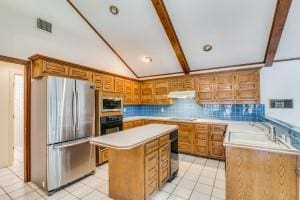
<point x="228" y="87"/>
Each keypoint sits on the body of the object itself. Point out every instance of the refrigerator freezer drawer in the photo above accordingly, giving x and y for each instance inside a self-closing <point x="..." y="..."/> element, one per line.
<point x="69" y="161"/>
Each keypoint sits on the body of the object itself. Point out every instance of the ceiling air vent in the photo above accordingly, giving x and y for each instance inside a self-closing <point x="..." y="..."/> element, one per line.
<point x="281" y="103"/>
<point x="44" y="25"/>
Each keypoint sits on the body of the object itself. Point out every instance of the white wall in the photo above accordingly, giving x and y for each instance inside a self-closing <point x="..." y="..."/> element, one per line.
<point x="72" y="39"/>
<point x="282" y="81"/>
<point x="6" y="134"/>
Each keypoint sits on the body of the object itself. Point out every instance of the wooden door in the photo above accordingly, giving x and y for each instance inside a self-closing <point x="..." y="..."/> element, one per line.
<point x="147" y="93"/>
<point x="108" y="83"/>
<point x="161" y="90"/>
<point x="128" y="92"/>
<point x="176" y="84"/>
<point x="216" y="148"/>
<point x="201" y="134"/>
<point x="205" y="89"/>
<point x="224" y="88"/>
<point x="185" y="140"/>
<point x="119" y="85"/>
<point x="136" y="96"/>
<point x="164" y="166"/>
<point x="247" y="86"/>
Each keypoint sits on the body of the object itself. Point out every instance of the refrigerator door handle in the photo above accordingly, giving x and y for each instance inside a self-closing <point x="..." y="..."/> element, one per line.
<point x="74" y="110"/>
<point x="77" y="110"/>
<point x="70" y="144"/>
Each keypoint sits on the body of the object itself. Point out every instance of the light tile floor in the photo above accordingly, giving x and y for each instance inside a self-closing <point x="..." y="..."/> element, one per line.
<point x="198" y="179"/>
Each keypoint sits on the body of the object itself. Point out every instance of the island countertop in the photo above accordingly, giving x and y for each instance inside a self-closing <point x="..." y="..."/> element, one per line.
<point x="131" y="138"/>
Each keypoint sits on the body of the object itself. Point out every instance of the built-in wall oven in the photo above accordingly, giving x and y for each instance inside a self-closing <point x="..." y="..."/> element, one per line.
<point x="111" y="104"/>
<point x="111" y="124"/>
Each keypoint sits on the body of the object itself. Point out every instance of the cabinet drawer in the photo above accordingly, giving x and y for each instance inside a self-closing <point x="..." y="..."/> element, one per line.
<point x="55" y="69"/>
<point x="202" y="127"/>
<point x="217" y="137"/>
<point x="201" y="150"/>
<point x="218" y="128"/>
<point x="203" y="143"/>
<point x="151" y="146"/>
<point x="163" y="140"/>
<point x="104" y="155"/>
<point x="201" y="136"/>
<point x="80" y="73"/>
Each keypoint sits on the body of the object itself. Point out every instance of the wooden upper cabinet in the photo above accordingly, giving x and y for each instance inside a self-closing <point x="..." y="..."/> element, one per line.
<point x="224" y="88"/>
<point x="136" y="96"/>
<point x="247" y="86"/>
<point x="43" y="68"/>
<point x="108" y="83"/>
<point x="98" y="81"/>
<point x="161" y="90"/>
<point x="181" y="84"/>
<point x="80" y="73"/>
<point x="205" y="89"/>
<point x="119" y="85"/>
<point x="128" y="92"/>
<point x="147" y="92"/>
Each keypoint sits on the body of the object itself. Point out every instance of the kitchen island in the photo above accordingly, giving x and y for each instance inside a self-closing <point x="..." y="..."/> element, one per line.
<point x="139" y="160"/>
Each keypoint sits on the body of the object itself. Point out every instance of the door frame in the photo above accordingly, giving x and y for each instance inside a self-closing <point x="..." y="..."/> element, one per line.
<point x="27" y="108"/>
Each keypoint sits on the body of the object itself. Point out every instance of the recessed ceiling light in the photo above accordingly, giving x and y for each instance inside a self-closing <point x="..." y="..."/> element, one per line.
<point x="207" y="47"/>
<point x="114" y="10"/>
<point x="147" y="59"/>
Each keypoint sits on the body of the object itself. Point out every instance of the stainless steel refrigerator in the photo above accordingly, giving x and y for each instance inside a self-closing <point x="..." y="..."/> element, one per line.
<point x="62" y="121"/>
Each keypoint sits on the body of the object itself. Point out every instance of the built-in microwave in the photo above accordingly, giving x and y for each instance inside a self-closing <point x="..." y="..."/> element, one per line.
<point x="111" y="104"/>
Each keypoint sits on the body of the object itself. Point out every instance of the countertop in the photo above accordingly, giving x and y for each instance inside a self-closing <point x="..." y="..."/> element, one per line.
<point x="134" y="137"/>
<point x="239" y="134"/>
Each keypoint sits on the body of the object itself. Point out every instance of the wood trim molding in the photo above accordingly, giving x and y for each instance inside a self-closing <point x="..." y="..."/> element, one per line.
<point x="13" y="60"/>
<point x="36" y="56"/>
<point x="170" y="31"/>
<point x="27" y="121"/>
<point x="280" y="17"/>
<point x="101" y="37"/>
<point x="286" y="59"/>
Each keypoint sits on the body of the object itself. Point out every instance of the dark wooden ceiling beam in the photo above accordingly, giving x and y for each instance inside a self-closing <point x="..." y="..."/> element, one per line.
<point x="101" y="37"/>
<point x="170" y="31"/>
<point x="280" y="17"/>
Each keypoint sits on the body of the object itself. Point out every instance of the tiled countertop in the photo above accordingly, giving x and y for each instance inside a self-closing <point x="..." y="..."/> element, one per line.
<point x="133" y="137"/>
<point x="239" y="134"/>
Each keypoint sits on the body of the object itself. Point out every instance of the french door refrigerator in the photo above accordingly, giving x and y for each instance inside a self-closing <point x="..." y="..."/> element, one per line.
<point x="62" y="121"/>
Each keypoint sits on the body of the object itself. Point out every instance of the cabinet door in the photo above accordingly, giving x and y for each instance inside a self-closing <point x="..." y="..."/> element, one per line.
<point x="224" y="88"/>
<point x="161" y="90"/>
<point x="98" y="81"/>
<point x="201" y="138"/>
<point x="217" y="150"/>
<point x="164" y="166"/>
<point x="247" y="86"/>
<point x="136" y="97"/>
<point x="147" y="93"/>
<point x="127" y="125"/>
<point x="54" y="68"/>
<point x="176" y="84"/>
<point x="188" y="83"/>
<point x="205" y="92"/>
<point x="185" y="139"/>
<point x="128" y="92"/>
<point x="151" y="173"/>
<point x="108" y="83"/>
<point x="119" y="85"/>
<point x="80" y="73"/>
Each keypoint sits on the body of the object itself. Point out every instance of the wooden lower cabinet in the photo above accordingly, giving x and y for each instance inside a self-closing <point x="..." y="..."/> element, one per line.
<point x="200" y="139"/>
<point x="157" y="165"/>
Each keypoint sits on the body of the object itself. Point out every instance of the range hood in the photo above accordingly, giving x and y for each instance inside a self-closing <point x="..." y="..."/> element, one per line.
<point x="182" y="94"/>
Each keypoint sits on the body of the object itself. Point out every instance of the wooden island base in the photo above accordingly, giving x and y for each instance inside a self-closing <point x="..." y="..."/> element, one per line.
<point x="136" y="174"/>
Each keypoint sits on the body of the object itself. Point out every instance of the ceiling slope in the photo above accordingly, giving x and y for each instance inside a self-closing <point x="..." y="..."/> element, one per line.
<point x="281" y="14"/>
<point x="289" y="46"/>
<point x="135" y="33"/>
<point x="237" y="30"/>
<point x="72" y="40"/>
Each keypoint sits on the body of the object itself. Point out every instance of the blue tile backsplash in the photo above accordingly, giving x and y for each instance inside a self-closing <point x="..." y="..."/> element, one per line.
<point x="187" y="108"/>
